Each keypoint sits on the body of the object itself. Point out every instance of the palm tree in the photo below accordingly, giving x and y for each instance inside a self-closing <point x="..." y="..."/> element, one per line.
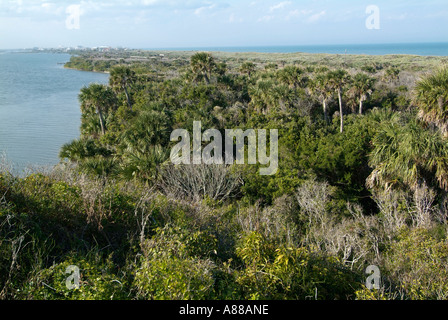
<point x="202" y="63"/>
<point x="321" y="88"/>
<point x="221" y="68"/>
<point x="271" y="67"/>
<point x="283" y="97"/>
<point x="406" y="154"/>
<point x="142" y="148"/>
<point x="82" y="149"/>
<point x="77" y="150"/>
<point x="99" y="165"/>
<point x="121" y="78"/>
<point x="361" y="88"/>
<point x="262" y="95"/>
<point x="336" y="81"/>
<point x="148" y="129"/>
<point x="292" y="76"/>
<point x="98" y="98"/>
<point x="392" y="74"/>
<point x="143" y="166"/>
<point x="248" y="68"/>
<point x="431" y="96"/>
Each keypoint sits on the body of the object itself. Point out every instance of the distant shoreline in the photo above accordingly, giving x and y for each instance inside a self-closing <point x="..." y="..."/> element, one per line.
<point x="438" y="49"/>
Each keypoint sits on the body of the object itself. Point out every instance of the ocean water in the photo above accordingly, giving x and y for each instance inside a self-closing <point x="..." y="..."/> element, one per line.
<point x="421" y="49"/>
<point x="39" y="108"/>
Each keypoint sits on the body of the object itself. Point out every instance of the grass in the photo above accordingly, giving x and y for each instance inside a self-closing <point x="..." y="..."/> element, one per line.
<point x="411" y="63"/>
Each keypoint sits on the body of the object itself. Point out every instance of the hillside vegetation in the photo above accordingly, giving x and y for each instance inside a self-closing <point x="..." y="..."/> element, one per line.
<point x="362" y="180"/>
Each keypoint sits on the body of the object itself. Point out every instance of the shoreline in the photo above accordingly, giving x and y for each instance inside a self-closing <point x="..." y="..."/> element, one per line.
<point x="425" y="49"/>
<point x="76" y="69"/>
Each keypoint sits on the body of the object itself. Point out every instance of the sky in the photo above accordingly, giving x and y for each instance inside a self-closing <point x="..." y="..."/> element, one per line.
<point x="218" y="23"/>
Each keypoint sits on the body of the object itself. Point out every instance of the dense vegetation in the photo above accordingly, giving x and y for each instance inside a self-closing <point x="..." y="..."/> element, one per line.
<point x="362" y="180"/>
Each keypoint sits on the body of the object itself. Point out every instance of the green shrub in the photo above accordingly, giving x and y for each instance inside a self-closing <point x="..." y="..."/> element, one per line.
<point x="174" y="266"/>
<point x="418" y="261"/>
<point x="366" y="294"/>
<point x="97" y="282"/>
<point x="174" y="278"/>
<point x="278" y="272"/>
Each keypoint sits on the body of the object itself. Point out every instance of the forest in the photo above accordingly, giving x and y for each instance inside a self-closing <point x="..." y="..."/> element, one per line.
<point x="362" y="181"/>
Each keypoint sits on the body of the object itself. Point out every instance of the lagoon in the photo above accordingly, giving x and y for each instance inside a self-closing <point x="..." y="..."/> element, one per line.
<point x="39" y="107"/>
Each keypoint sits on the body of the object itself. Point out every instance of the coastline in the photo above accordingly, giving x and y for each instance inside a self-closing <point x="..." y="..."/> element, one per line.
<point x="76" y="69"/>
<point x="93" y="58"/>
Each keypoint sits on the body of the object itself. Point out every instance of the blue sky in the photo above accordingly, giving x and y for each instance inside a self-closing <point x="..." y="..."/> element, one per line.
<point x="214" y="23"/>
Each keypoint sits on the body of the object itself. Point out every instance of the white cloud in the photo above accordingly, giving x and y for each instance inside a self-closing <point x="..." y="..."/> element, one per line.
<point x="149" y="2"/>
<point x="398" y="17"/>
<point x="316" y="17"/>
<point x="200" y="10"/>
<point x="280" y="5"/>
<point x="307" y="15"/>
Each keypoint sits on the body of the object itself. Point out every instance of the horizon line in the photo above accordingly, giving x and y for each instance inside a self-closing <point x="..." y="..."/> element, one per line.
<point x="230" y="46"/>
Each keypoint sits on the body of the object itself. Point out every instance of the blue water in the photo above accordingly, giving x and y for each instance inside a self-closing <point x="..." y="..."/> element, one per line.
<point x="422" y="49"/>
<point x="39" y="108"/>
